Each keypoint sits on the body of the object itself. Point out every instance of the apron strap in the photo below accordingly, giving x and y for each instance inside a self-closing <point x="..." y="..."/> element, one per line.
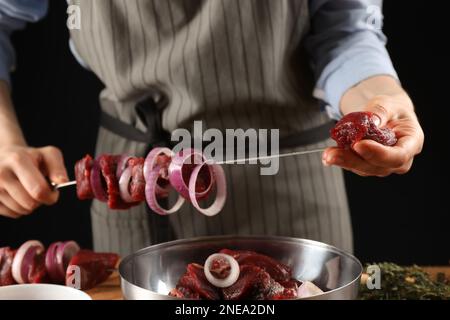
<point x="310" y="136"/>
<point x="159" y="226"/>
<point x="150" y="115"/>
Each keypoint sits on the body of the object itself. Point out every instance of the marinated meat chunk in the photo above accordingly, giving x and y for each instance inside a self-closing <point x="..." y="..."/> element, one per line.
<point x="94" y="268"/>
<point x="278" y="271"/>
<point x="107" y="164"/>
<point x="83" y="177"/>
<point x="6" y="259"/>
<point x="357" y="126"/>
<point x="137" y="183"/>
<point x="253" y="284"/>
<point x="195" y="280"/>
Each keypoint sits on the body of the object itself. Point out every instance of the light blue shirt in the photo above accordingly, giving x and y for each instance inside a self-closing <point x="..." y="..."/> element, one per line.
<point x="346" y="43"/>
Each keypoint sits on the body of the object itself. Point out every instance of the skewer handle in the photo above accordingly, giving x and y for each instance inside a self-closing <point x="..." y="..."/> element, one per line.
<point x="62" y="185"/>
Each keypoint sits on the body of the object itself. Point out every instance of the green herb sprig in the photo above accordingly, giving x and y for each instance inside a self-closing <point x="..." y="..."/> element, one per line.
<point x="406" y="283"/>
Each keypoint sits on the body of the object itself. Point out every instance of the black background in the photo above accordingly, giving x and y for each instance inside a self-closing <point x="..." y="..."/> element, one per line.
<point x="404" y="219"/>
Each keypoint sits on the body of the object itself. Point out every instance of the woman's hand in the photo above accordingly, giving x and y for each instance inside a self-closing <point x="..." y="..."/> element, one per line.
<point x="369" y="158"/>
<point x="23" y="184"/>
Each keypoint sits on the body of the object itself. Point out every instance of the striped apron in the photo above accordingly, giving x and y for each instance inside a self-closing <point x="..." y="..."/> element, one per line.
<point x="230" y="64"/>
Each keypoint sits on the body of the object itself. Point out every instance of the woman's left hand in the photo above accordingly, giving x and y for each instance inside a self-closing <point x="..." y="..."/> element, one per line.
<point x="369" y="158"/>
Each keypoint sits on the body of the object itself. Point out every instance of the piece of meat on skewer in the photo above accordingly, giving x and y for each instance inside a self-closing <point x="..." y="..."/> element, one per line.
<point x="32" y="263"/>
<point x="94" y="268"/>
<point x="6" y="260"/>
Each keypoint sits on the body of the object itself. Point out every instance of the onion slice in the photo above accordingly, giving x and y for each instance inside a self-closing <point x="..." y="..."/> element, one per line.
<point x="308" y="289"/>
<point x="232" y="277"/>
<point x="221" y="189"/>
<point x="151" y="161"/>
<point x="185" y="157"/>
<point x="96" y="183"/>
<point x="64" y="253"/>
<point x="50" y="262"/>
<point x="150" y="194"/>
<point x="122" y="164"/>
<point x="124" y="185"/>
<point x="24" y="258"/>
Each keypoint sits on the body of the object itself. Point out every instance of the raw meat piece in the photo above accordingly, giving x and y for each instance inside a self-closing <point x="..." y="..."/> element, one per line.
<point x="6" y="260"/>
<point x="254" y="283"/>
<point x="357" y="126"/>
<point x="137" y="182"/>
<point x="195" y="280"/>
<point x="108" y="164"/>
<point x="220" y="268"/>
<point x="184" y="293"/>
<point x="290" y="290"/>
<point x="94" y="267"/>
<point x="83" y="176"/>
<point x="36" y="272"/>
<point x="384" y="136"/>
<point x="278" y="271"/>
<point x="260" y="278"/>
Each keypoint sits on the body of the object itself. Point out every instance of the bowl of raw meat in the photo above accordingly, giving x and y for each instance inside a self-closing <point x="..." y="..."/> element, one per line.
<point x="240" y="268"/>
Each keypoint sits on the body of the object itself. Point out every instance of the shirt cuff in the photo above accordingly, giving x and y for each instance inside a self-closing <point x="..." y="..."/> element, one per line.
<point x="352" y="67"/>
<point x="5" y="57"/>
<point x="4" y="73"/>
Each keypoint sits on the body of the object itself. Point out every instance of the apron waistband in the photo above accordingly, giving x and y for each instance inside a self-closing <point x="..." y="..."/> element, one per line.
<point x="157" y="136"/>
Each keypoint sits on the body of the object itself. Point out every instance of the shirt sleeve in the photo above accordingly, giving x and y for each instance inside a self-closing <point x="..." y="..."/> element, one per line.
<point x="14" y="14"/>
<point x="347" y="46"/>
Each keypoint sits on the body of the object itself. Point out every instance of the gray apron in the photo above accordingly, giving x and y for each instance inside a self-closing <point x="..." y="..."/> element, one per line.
<point x="230" y="64"/>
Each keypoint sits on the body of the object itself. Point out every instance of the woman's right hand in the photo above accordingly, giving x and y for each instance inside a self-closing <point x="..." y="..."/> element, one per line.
<point x="23" y="183"/>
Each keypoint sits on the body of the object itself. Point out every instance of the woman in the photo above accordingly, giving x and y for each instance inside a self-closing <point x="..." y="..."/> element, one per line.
<point x="231" y="64"/>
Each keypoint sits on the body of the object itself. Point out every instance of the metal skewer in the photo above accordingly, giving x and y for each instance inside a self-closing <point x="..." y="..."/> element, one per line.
<point x="232" y="161"/>
<point x="62" y="185"/>
<point x="272" y="156"/>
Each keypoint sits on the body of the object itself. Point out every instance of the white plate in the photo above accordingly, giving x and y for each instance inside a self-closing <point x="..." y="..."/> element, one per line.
<point x="41" y="292"/>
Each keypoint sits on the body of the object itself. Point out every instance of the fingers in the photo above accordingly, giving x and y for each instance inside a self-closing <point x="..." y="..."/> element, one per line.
<point x="12" y="186"/>
<point x="349" y="160"/>
<point x="7" y="201"/>
<point x="394" y="157"/>
<point x="377" y="107"/>
<point x="6" y="212"/>
<point x="54" y="164"/>
<point x="382" y="156"/>
<point x="23" y="182"/>
<point x="32" y="179"/>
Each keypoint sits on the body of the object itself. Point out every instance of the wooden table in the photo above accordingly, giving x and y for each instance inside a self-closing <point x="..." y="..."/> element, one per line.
<point x="110" y="290"/>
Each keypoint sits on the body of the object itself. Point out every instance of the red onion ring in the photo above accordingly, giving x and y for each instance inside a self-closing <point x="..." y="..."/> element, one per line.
<point x="176" y="173"/>
<point x="232" y="277"/>
<point x="64" y="253"/>
<point x="151" y="162"/>
<point x="221" y="189"/>
<point x="150" y="194"/>
<point x="50" y="262"/>
<point x="308" y="289"/>
<point x="124" y="184"/>
<point x="122" y="164"/>
<point x="96" y="183"/>
<point x="24" y="259"/>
